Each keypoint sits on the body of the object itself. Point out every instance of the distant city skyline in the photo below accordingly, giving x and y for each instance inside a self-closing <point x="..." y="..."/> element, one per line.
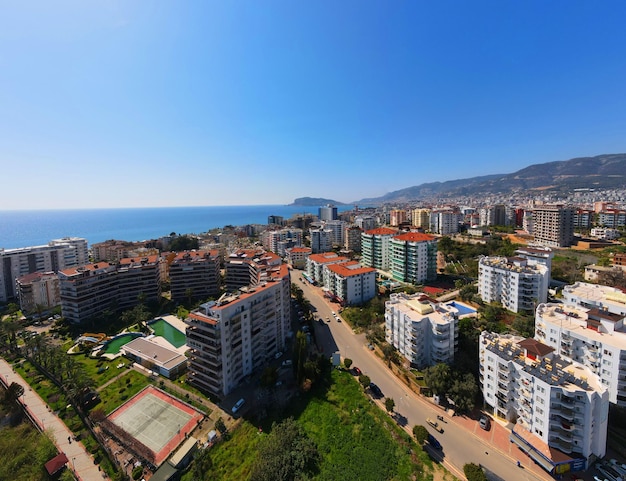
<point x="117" y="104"/>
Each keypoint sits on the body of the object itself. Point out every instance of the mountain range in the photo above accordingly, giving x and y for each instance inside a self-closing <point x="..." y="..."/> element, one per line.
<point x="599" y="173"/>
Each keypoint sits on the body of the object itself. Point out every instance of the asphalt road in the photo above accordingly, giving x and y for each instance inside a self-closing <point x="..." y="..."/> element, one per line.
<point x="459" y="446"/>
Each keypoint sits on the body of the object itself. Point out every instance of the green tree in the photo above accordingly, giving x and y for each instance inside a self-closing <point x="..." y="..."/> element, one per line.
<point x="285" y="454"/>
<point x="11" y="398"/>
<point x="364" y="380"/>
<point x="463" y="393"/>
<point x="390" y="404"/>
<point x="420" y="433"/>
<point x="220" y="426"/>
<point x="269" y="376"/>
<point x="473" y="472"/>
<point x="202" y="464"/>
<point x="347" y="362"/>
<point x="438" y="378"/>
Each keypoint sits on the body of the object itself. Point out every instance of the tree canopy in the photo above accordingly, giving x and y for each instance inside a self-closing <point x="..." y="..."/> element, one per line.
<point x="285" y="454"/>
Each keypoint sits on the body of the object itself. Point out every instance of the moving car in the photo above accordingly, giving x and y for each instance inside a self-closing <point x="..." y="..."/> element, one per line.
<point x="434" y="424"/>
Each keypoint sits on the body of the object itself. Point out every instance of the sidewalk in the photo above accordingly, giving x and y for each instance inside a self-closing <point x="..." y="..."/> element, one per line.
<point x="80" y="461"/>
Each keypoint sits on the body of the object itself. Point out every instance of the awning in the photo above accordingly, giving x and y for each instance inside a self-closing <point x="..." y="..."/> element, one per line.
<point x="532" y="452"/>
<point x="541" y="461"/>
<point x="520" y="444"/>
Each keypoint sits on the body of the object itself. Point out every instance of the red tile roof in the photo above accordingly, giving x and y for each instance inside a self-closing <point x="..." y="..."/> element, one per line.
<point x="415" y="237"/>
<point x="351" y="268"/>
<point x="326" y="257"/>
<point x="535" y="347"/>
<point x="382" y="231"/>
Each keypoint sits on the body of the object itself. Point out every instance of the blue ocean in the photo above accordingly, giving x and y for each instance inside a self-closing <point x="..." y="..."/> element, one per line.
<point x="38" y="227"/>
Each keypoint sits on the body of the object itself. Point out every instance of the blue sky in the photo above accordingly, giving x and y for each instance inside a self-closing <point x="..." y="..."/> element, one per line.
<point x="131" y="104"/>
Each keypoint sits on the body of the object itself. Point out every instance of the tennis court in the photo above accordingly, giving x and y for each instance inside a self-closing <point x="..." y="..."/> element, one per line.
<point x="157" y="420"/>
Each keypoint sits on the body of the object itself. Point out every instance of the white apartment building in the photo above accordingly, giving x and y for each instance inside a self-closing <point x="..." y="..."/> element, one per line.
<point x="46" y="258"/>
<point x="38" y="292"/>
<point x="554" y="404"/>
<point x="297" y="256"/>
<point x="366" y="222"/>
<point x="79" y="256"/>
<point x="606" y="298"/>
<point x="537" y="254"/>
<point x="605" y="233"/>
<point x="337" y="228"/>
<point x="423" y="331"/>
<point x="349" y="282"/>
<point x="278" y="240"/>
<point x="590" y="336"/>
<point x="321" y="240"/>
<point x="235" y="336"/>
<point x="444" y="222"/>
<point x="515" y="282"/>
<point x="315" y="264"/>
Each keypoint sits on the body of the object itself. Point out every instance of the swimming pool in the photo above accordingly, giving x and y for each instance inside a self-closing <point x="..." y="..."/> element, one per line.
<point x="170" y="333"/>
<point x="114" y="345"/>
<point x="462" y="308"/>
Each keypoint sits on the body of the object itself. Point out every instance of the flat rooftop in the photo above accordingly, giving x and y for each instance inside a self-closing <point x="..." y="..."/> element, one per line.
<point x="574" y="319"/>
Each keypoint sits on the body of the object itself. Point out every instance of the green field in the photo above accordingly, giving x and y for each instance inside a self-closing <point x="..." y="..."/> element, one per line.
<point x="355" y="438"/>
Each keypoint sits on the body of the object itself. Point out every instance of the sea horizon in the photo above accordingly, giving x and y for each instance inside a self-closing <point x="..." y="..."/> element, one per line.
<point x="26" y="228"/>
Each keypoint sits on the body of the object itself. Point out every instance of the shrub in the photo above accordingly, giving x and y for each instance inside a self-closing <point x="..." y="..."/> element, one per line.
<point x="137" y="472"/>
<point x="473" y="472"/>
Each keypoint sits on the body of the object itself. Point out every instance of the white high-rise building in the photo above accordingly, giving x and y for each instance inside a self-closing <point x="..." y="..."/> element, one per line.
<point x="424" y="333"/>
<point x="515" y="282"/>
<point x="238" y="334"/>
<point x="53" y="257"/>
<point x="336" y="227"/>
<point x="554" y="404"/>
<point x="589" y="329"/>
<point x="444" y="222"/>
<point x="321" y="240"/>
<point x="349" y="282"/>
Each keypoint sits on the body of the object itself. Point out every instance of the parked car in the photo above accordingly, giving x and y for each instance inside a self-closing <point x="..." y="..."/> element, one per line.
<point x="485" y="423"/>
<point x="287" y="362"/>
<point x="356" y="371"/>
<point x="238" y="405"/>
<point x="375" y="390"/>
<point x="609" y="472"/>
<point x="434" y="424"/>
<point x="433" y="442"/>
<point x="278" y="355"/>
<point x="619" y="467"/>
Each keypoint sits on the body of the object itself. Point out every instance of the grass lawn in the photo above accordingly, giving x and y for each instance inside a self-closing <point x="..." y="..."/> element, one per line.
<point x="100" y="370"/>
<point x="356" y="439"/>
<point x="121" y="390"/>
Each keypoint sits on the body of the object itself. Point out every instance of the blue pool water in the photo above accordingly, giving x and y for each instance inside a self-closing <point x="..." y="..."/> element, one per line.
<point x="463" y="309"/>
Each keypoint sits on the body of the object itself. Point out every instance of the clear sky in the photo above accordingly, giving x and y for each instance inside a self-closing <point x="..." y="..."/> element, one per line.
<point x="167" y="103"/>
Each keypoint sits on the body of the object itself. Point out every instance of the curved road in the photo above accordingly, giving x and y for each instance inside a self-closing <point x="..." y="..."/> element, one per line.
<point x="459" y="444"/>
